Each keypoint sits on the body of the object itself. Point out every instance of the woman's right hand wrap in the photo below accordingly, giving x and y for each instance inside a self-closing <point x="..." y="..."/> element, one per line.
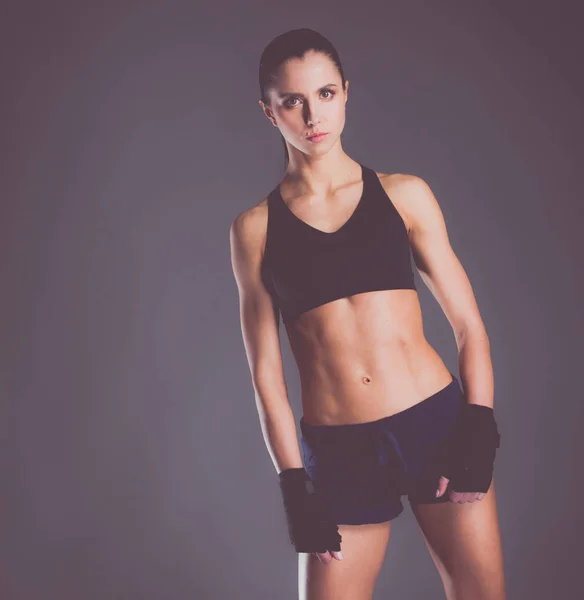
<point x="308" y="525"/>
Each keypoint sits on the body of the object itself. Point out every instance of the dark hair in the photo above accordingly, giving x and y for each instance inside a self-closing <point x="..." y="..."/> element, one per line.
<point x="292" y="44"/>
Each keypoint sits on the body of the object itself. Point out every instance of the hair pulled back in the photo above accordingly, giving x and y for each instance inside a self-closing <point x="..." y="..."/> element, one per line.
<point x="292" y="44"/>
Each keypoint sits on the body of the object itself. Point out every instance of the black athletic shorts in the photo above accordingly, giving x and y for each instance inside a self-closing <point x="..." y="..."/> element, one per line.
<point x="361" y="470"/>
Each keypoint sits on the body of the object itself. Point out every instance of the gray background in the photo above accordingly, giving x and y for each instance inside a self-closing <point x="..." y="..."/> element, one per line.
<point x="133" y="465"/>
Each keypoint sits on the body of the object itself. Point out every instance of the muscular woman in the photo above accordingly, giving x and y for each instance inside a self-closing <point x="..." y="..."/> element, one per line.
<point x="329" y="251"/>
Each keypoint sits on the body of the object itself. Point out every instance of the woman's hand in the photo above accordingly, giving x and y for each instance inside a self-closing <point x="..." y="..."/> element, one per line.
<point x="460" y="497"/>
<point x="308" y="524"/>
<point x="326" y="558"/>
<point x="469" y="455"/>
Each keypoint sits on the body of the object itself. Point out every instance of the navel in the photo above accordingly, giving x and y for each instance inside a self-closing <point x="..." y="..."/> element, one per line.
<point x="366" y="379"/>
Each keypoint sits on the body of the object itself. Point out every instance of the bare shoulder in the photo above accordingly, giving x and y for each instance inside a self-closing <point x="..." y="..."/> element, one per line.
<point x="249" y="227"/>
<point x="409" y="193"/>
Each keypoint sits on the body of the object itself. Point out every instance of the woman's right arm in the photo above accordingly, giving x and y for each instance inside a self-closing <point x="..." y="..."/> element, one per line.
<point x="309" y="527"/>
<point x="261" y="337"/>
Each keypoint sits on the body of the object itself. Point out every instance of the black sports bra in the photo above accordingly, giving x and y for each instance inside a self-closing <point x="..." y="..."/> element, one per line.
<point x="304" y="267"/>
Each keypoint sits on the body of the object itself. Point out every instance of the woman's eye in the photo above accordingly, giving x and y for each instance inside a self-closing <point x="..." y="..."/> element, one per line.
<point x="289" y="104"/>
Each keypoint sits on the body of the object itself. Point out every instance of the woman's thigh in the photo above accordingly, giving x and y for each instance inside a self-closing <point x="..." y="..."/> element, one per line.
<point x="353" y="578"/>
<point x="464" y="542"/>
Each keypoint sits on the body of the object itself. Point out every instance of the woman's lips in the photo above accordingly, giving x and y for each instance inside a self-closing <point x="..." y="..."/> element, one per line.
<point x="318" y="137"/>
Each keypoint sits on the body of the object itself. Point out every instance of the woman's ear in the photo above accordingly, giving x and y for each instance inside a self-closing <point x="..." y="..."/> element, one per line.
<point x="268" y="112"/>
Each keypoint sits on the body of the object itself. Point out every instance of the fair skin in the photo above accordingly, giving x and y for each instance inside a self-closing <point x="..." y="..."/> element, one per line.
<point x="379" y="363"/>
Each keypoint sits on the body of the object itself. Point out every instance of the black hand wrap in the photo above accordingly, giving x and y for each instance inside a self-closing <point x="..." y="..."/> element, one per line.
<point x="470" y="454"/>
<point x="308" y="527"/>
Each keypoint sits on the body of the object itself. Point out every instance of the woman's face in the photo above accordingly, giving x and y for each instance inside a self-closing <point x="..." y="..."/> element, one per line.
<point x="307" y="97"/>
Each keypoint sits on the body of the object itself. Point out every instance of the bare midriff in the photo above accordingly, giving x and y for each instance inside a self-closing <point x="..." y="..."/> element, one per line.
<point x="364" y="357"/>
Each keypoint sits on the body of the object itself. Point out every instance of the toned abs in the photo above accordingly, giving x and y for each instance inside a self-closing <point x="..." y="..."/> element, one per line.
<point x="364" y="357"/>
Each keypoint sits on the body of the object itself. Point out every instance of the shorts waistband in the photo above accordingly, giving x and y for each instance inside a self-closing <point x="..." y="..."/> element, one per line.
<point x="360" y="428"/>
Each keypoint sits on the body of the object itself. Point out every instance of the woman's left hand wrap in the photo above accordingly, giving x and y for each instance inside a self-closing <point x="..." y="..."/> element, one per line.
<point x="470" y="454"/>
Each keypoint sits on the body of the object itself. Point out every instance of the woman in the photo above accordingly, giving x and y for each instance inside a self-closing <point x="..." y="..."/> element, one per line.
<point x="329" y="249"/>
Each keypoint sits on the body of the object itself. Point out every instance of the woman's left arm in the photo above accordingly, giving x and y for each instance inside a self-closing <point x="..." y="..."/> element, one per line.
<point x="444" y="275"/>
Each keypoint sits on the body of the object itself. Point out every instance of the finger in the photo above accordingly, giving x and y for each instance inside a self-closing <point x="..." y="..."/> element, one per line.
<point x="324" y="557"/>
<point x="480" y="496"/>
<point x="455" y="496"/>
<point x="337" y="555"/>
<point x="442" y="485"/>
<point x="463" y="497"/>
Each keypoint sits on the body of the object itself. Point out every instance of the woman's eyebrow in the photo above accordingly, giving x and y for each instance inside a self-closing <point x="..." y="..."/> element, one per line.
<point x="284" y="94"/>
